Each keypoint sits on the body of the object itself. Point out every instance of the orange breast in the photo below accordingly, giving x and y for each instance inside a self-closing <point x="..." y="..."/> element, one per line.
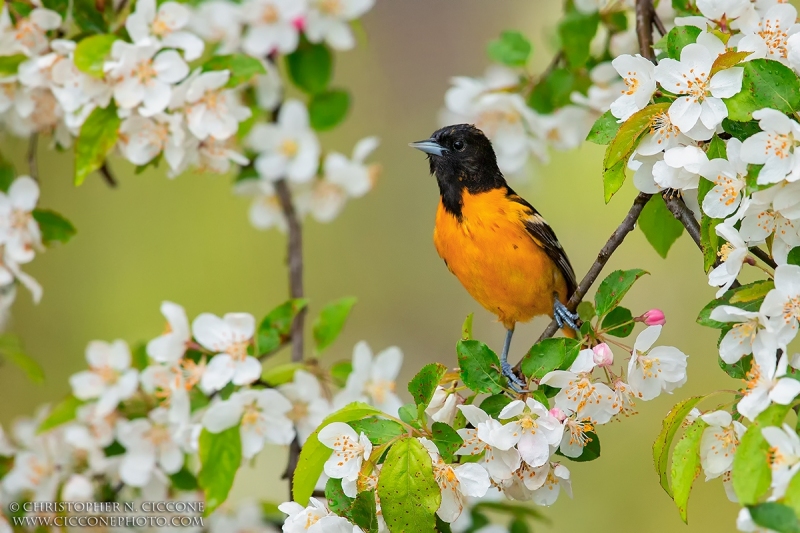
<point x="493" y="256"/>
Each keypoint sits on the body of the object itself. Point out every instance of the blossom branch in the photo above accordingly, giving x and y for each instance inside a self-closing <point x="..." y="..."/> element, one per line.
<point x="108" y="177"/>
<point x="33" y="164"/>
<point x="645" y="18"/>
<point x="680" y="211"/>
<point x="764" y="256"/>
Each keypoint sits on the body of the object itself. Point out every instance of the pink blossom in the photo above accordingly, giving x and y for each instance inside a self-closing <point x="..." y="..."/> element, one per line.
<point x="603" y="355"/>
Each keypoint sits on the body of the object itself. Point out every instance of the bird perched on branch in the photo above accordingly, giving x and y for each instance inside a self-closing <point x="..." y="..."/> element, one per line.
<point x="497" y="245"/>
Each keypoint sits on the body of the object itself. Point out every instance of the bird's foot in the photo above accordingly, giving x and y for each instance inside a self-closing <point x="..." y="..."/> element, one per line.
<point x="564" y="317"/>
<point x="514" y="382"/>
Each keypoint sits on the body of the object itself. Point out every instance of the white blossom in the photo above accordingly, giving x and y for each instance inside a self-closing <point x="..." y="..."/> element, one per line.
<point x="229" y="338"/>
<point x="109" y="379"/>
<point x="773" y="147"/>
<point x="149" y="444"/>
<point x="766" y="383"/>
<point x="637" y="73"/>
<point x="309" y="407"/>
<point x="580" y="392"/>
<point x="373" y="379"/>
<point x="652" y="371"/>
<point x="718" y="443"/>
<point x="329" y="21"/>
<point x="162" y="25"/>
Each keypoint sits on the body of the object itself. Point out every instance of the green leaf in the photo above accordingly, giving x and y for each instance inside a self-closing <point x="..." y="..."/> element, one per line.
<point x="11" y="349"/>
<point x="338" y="501"/>
<point x="63" y="412"/>
<point x="466" y="328"/>
<point x="10" y="64"/>
<point x="576" y="31"/>
<point x="739" y="369"/>
<point x="310" y="67"/>
<point x="678" y="37"/>
<point x="446" y="439"/>
<point x="340" y="372"/>
<point x="709" y="240"/>
<point x="794" y="256"/>
<point x="7" y="174"/>
<point x="613" y="289"/>
<point x="619" y="322"/>
<point x="604" y="129"/>
<point x="766" y="83"/>
<point x="792" y="495"/>
<point x="747" y="297"/>
<point x="314" y="453"/>
<point x="518" y="526"/>
<point x="586" y="311"/>
<point x="91" y="54"/>
<point x="183" y="479"/>
<point x="220" y="458"/>
<point x="740" y="130"/>
<point x="590" y="452"/>
<point x="669" y="427"/>
<point x="492" y="405"/>
<point x="686" y="465"/>
<point x="728" y="60"/>
<point x="775" y="516"/>
<point x="59" y="6"/>
<point x="378" y="430"/>
<point x="751" y="472"/>
<point x="716" y="149"/>
<point x="328" y="109"/>
<point x="409" y="413"/>
<point x="408" y="491"/>
<point x="276" y="328"/>
<point x="613" y="179"/>
<point x="659" y="225"/>
<point x="555" y="90"/>
<point x="88" y="18"/>
<point x="512" y="49"/>
<point x="479" y="367"/>
<point x="549" y="355"/>
<point x="241" y="67"/>
<point x="97" y="137"/>
<point x="53" y="227"/>
<point x="364" y="512"/>
<point x="278" y="375"/>
<point x="424" y="383"/>
<point x="331" y="321"/>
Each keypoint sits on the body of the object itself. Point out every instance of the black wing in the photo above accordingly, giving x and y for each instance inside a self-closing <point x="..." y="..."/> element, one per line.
<point x="541" y="232"/>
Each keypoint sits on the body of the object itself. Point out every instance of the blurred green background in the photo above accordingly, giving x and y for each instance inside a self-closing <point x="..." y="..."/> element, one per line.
<point x="188" y="240"/>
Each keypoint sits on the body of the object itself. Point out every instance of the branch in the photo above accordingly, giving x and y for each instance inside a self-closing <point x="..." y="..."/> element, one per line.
<point x="645" y="18"/>
<point x="764" y="256"/>
<point x="33" y="164"/>
<point x="679" y="210"/>
<point x="108" y="177"/>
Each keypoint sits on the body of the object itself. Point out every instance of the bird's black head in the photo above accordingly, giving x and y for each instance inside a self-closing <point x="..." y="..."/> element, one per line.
<point x="461" y="157"/>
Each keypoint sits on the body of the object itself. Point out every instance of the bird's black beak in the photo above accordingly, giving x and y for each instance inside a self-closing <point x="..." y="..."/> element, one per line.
<point x="429" y="146"/>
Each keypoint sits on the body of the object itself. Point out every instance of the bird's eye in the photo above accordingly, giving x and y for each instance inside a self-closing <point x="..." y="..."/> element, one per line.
<point x="459" y="145"/>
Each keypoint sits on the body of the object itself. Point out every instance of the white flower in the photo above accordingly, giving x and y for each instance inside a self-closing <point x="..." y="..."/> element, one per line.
<point x="767" y="37"/>
<point x="29" y="36"/>
<point x="733" y="254"/>
<point x="760" y="221"/>
<point x="662" y="136"/>
<point x="532" y="429"/>
<point x="575" y="438"/>
<point x="728" y="176"/>
<point x="579" y="392"/>
<point x="653" y="370"/>
<point x="272" y="26"/>
<point x="214" y="155"/>
<point x="247" y="517"/>
<point x="782" y="304"/>
<point x="558" y="478"/>
<point x="680" y="168"/>
<point x="443" y="405"/>
<point x="784" y="456"/>
<point x="766" y="384"/>
<point x="566" y="128"/>
<point x="773" y="147"/>
<point x="313" y="519"/>
<point x="309" y="408"/>
<point x="171" y="345"/>
<point x="146" y="26"/>
<point x="350" y="450"/>
<point x="144" y="138"/>
<point x="288" y="148"/>
<point x="143" y="78"/>
<point x="211" y="109"/>
<point x="691" y="77"/>
<point x="33" y="472"/>
<point x="219" y="21"/>
<point x="456" y="483"/>
<point x="605" y="88"/>
<point x="637" y="72"/>
<point x="486" y="434"/>
<point x="229" y="338"/>
<point x="730" y="9"/>
<point x="718" y="443"/>
<point x="740" y="339"/>
<point x="352" y="175"/>
<point x="149" y="444"/>
<point x="77" y="488"/>
<point x="373" y="377"/>
<point x="109" y="378"/>
<point x="329" y="21"/>
<point x="18" y="229"/>
<point x="261" y="413"/>
<point x="265" y="211"/>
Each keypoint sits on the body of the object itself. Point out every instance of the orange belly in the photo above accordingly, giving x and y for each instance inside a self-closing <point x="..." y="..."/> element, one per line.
<point x="493" y="256"/>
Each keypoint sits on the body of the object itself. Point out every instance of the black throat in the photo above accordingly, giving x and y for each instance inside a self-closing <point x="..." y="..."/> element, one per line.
<point x="453" y="182"/>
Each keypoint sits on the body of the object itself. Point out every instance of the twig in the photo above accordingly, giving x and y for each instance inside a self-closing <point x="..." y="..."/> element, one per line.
<point x="108" y="177"/>
<point x="295" y="260"/>
<point x="764" y="256"/>
<point x="625" y="227"/>
<point x="680" y="211"/>
<point x="645" y="17"/>
<point x="33" y="163"/>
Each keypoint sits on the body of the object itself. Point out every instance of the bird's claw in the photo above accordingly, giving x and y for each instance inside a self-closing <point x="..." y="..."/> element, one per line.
<point x="514" y="382"/>
<point x="563" y="316"/>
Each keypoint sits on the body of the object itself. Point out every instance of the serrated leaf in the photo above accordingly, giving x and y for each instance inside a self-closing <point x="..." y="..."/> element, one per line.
<point x="363" y="513"/>
<point x="328" y="109"/>
<point x="63" y="412"/>
<point x="613" y="289"/>
<point x="310" y="67"/>
<point x="604" y="130"/>
<point x="314" y="453"/>
<point x="619" y="322"/>
<point x="774" y="516"/>
<point x="556" y="89"/>
<point x="275" y="328"/>
<point x="512" y="49"/>
<point x="766" y="83"/>
<point x="492" y="405"/>
<point x="53" y="227"/>
<point x="548" y="355"/>
<point x="669" y="428"/>
<point x="686" y="465"/>
<point x="576" y="31"/>
<point x="424" y="383"/>
<point x="586" y="311"/>
<point x="740" y="130"/>
<point x="337" y="500"/>
<point x="407" y="489"/>
<point x="659" y="225"/>
<point x="91" y="53"/>
<point x="466" y="328"/>
<point x="727" y="60"/>
<point x="446" y="439"/>
<point x="88" y="18"/>
<point x="613" y="179"/>
<point x="590" y="452"/>
<point x="220" y="458"/>
<point x="378" y="430"/>
<point x="330" y="322"/>
<point x="678" y="37"/>
<point x="97" y="137"/>
<point x="480" y="367"/>
<point x="751" y="472"/>
<point x="753" y="295"/>
<point x="242" y="68"/>
<point x="739" y="369"/>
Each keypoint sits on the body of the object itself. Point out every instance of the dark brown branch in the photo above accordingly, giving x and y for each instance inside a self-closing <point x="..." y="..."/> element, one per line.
<point x="645" y="17"/>
<point x="108" y="177"/>
<point x="33" y="163"/>
<point x="680" y="211"/>
<point x="764" y="256"/>
<point x="295" y="260"/>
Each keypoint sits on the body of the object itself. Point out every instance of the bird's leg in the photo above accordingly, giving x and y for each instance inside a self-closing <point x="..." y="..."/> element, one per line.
<point x="563" y="316"/>
<point x="513" y="381"/>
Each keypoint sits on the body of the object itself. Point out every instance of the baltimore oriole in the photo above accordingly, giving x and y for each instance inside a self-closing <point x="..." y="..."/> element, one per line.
<point x="497" y="245"/>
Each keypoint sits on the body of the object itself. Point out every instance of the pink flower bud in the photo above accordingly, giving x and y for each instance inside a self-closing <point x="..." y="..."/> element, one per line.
<point x="603" y="355"/>
<point x="558" y="414"/>
<point x="299" y="23"/>
<point x="654" y="317"/>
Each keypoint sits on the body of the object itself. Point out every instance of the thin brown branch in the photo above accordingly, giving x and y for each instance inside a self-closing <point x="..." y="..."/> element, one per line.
<point x="764" y="256"/>
<point x="659" y="24"/>
<point x="295" y="260"/>
<point x="645" y="17"/>
<point x="680" y="211"/>
<point x="33" y="163"/>
<point x="108" y="176"/>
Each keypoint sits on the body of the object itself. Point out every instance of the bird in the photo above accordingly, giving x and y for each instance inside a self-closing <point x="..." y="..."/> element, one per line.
<point x="497" y="244"/>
